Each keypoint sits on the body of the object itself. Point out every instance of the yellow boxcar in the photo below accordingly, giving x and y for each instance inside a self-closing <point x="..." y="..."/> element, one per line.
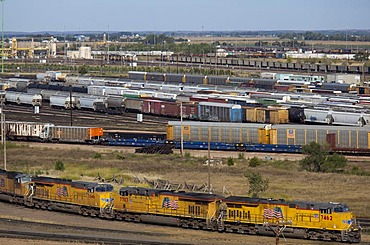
<point x="195" y="210"/>
<point x="311" y="220"/>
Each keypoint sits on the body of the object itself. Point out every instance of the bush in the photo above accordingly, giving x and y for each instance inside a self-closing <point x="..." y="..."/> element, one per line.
<point x="59" y="165"/>
<point x="254" y="162"/>
<point x="120" y="157"/>
<point x="187" y="154"/>
<point x="241" y="156"/>
<point x="97" y="156"/>
<point x="230" y="161"/>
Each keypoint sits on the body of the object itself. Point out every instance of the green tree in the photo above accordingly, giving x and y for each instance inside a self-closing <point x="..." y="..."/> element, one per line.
<point x="361" y="56"/>
<point x="257" y="184"/>
<point x="333" y="163"/>
<point x="316" y="155"/>
<point x="82" y="69"/>
<point x="318" y="159"/>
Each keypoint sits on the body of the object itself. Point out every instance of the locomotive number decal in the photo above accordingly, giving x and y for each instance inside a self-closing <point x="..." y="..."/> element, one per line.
<point x="2" y="183"/>
<point x="124" y="199"/>
<point x="327" y="217"/>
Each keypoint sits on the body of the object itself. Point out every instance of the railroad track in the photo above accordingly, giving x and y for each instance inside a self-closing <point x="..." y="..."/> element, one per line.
<point x="364" y="223"/>
<point x="20" y="229"/>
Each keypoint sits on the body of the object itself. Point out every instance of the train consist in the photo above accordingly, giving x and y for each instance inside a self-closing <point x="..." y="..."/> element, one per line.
<point x="306" y="220"/>
<point x="222" y="61"/>
<point x="195" y="135"/>
<point x="318" y="87"/>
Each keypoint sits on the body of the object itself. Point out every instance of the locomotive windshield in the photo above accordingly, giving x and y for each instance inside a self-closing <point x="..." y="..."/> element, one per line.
<point x="341" y="208"/>
<point x="104" y="188"/>
<point x="23" y="178"/>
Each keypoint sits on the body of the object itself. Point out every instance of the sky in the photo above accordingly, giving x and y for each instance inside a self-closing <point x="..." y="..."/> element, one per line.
<point x="184" y="15"/>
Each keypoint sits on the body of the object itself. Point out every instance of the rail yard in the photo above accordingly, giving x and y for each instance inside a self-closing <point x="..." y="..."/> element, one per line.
<point x="74" y="162"/>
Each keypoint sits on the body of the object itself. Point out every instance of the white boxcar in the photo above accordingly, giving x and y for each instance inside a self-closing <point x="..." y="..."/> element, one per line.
<point x="26" y="130"/>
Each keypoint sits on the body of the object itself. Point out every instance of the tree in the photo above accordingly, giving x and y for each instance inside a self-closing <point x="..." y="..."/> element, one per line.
<point x="361" y="56"/>
<point x="257" y="184"/>
<point x="318" y="159"/>
<point x="82" y="69"/>
<point x="333" y="163"/>
<point x="316" y="155"/>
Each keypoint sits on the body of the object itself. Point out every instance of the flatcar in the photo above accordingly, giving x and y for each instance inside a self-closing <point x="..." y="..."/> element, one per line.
<point x="132" y="138"/>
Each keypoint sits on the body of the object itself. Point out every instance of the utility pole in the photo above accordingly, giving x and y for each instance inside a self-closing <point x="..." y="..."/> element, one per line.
<point x="209" y="159"/>
<point x="2" y="36"/>
<point x="182" y="133"/>
<point x="3" y="125"/>
<point x="70" y="103"/>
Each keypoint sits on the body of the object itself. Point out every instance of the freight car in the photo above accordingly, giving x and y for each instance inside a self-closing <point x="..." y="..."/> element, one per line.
<point x="21" y="98"/>
<point x="46" y="132"/>
<point x="93" y="103"/>
<point x="252" y="136"/>
<point x="221" y="112"/>
<point x="72" y="134"/>
<point x="132" y="138"/>
<point x="305" y="220"/>
<point x="63" y="101"/>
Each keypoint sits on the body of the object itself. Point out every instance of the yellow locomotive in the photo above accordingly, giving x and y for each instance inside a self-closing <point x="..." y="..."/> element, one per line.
<point x="13" y="186"/>
<point x="86" y="198"/>
<point x="309" y="220"/>
<point x="195" y="210"/>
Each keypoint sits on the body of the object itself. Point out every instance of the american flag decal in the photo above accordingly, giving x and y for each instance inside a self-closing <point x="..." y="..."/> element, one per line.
<point x="62" y="191"/>
<point x="276" y="213"/>
<point x="168" y="203"/>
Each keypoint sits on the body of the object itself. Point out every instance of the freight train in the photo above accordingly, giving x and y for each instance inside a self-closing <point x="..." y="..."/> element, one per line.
<point x="238" y="214"/>
<point x="257" y="83"/>
<point x="195" y="135"/>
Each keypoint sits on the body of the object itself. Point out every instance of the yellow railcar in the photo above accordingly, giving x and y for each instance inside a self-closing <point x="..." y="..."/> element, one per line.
<point x="309" y="220"/>
<point x="13" y="186"/>
<point x="85" y="198"/>
<point x="196" y="210"/>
